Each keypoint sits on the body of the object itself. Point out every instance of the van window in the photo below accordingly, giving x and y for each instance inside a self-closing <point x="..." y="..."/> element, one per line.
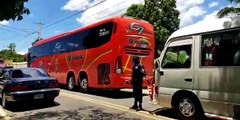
<point x="177" y="57"/>
<point x="221" y="49"/>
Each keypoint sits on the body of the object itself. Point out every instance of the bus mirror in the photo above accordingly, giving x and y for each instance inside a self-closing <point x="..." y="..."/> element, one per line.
<point x="161" y="72"/>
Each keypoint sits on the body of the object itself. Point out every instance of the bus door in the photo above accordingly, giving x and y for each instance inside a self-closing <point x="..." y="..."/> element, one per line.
<point x="176" y="70"/>
<point x="53" y="62"/>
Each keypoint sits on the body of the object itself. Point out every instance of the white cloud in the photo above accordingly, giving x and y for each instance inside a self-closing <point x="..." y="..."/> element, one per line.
<point x="184" y="5"/>
<point x="211" y="16"/>
<point x="22" y="52"/>
<point x="105" y="9"/>
<point x="4" y="22"/>
<point x="75" y="5"/>
<point x="57" y="31"/>
<point x="189" y="9"/>
<point x="213" y="4"/>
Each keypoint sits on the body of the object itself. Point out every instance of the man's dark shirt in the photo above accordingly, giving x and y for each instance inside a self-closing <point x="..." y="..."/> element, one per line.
<point x="137" y="74"/>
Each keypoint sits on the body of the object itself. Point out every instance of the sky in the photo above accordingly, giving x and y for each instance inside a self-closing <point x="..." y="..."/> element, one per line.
<point x="58" y="16"/>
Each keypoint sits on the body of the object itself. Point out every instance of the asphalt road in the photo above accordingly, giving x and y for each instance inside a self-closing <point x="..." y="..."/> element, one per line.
<point x="97" y="105"/>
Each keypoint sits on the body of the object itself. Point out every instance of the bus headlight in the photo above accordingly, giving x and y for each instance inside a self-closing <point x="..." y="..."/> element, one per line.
<point x="118" y="71"/>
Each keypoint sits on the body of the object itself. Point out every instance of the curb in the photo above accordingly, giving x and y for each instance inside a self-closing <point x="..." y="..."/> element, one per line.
<point x="2" y="112"/>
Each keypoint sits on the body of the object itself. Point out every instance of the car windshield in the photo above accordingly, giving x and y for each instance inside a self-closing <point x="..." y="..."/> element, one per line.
<point x="24" y="73"/>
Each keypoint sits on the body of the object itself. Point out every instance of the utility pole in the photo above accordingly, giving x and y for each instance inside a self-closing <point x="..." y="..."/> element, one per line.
<point x="39" y="31"/>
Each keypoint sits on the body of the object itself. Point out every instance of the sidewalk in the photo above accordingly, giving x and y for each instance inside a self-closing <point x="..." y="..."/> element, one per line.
<point x="2" y="113"/>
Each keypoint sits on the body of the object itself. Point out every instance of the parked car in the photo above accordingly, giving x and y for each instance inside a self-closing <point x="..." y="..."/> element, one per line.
<point x="27" y="84"/>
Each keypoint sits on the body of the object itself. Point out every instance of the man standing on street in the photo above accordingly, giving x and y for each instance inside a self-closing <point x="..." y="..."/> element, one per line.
<point x="138" y="73"/>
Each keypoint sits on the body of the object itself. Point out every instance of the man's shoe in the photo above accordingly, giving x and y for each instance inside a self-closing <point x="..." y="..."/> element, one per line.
<point x="140" y="108"/>
<point x="134" y="107"/>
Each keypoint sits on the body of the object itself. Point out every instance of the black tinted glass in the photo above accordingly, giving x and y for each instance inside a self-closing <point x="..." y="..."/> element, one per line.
<point x="86" y="39"/>
<point x="29" y="73"/>
<point x="221" y="49"/>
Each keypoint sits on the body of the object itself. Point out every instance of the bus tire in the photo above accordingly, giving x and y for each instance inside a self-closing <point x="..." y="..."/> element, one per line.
<point x="188" y="108"/>
<point x="71" y="82"/>
<point x="83" y="83"/>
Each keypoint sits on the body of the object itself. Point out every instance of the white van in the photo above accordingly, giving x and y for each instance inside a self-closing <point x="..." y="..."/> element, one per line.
<point x="199" y="70"/>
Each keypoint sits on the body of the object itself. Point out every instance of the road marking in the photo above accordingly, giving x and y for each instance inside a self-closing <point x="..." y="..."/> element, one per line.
<point x="115" y="106"/>
<point x="2" y="112"/>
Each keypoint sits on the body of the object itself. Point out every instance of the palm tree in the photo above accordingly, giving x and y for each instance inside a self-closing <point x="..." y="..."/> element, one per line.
<point x="227" y="10"/>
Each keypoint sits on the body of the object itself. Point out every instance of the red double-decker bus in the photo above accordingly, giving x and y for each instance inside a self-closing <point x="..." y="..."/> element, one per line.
<point x="98" y="55"/>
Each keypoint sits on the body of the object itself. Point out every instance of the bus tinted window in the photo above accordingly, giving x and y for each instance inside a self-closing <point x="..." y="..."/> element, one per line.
<point x="89" y="38"/>
<point x="221" y="49"/>
<point x="98" y="36"/>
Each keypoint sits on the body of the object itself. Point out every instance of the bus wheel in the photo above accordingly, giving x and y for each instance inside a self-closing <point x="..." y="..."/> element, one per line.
<point x="71" y="82"/>
<point x="83" y="84"/>
<point x="188" y="108"/>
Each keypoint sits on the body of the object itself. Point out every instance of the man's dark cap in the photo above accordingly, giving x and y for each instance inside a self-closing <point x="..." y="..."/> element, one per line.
<point x="135" y="58"/>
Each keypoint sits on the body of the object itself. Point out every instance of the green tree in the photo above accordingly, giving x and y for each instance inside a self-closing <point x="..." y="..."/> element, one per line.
<point x="13" y="9"/>
<point x="229" y="10"/>
<point x="10" y="54"/>
<point x="162" y="14"/>
<point x="12" y="47"/>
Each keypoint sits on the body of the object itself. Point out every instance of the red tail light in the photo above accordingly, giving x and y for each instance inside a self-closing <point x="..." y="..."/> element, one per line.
<point x="18" y="87"/>
<point x="119" y="65"/>
<point x="156" y="89"/>
<point x="54" y="85"/>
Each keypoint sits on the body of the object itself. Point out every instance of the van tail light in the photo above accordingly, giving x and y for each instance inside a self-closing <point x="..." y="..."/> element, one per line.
<point x="118" y="65"/>
<point x="53" y="85"/>
<point x="18" y="87"/>
<point x="156" y="90"/>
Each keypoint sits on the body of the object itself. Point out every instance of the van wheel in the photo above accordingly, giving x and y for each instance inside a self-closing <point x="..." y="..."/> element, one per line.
<point x="188" y="108"/>
<point x="83" y="82"/>
<point x="71" y="83"/>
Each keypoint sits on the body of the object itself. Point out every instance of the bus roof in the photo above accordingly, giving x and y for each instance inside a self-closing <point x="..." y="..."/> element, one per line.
<point x="73" y="31"/>
<point x="207" y="26"/>
<point x="82" y="28"/>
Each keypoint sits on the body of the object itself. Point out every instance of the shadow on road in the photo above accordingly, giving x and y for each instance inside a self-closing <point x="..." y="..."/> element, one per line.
<point x="171" y="113"/>
<point x="166" y="112"/>
<point x="28" y="106"/>
<point x="115" y="94"/>
<point x="88" y="113"/>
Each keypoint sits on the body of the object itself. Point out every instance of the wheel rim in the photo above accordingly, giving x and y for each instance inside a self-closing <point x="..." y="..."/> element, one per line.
<point x="71" y="83"/>
<point x="186" y="107"/>
<point x="84" y="85"/>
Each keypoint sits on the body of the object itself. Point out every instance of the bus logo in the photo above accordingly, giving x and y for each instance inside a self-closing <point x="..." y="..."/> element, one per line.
<point x="137" y="27"/>
<point x="57" y="47"/>
<point x="138" y="41"/>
